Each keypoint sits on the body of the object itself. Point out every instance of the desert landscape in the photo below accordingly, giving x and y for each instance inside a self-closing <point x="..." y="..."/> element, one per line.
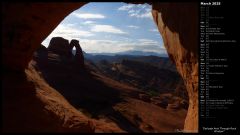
<point x="103" y="96"/>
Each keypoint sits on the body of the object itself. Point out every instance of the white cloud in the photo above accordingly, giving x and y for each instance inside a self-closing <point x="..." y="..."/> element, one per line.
<point x="89" y="22"/>
<point x="131" y="11"/>
<point x="126" y="7"/>
<point x="153" y="30"/>
<point x="99" y="46"/>
<point x="71" y="24"/>
<point x="151" y="48"/>
<point x="133" y="26"/>
<point x="113" y="46"/>
<point x="64" y="30"/>
<point x="148" y="9"/>
<point x="89" y="16"/>
<point x="68" y="32"/>
<point x="142" y="15"/>
<point x="144" y="41"/>
<point x="147" y="45"/>
<point x="138" y="11"/>
<point x="107" y="29"/>
<point x="141" y="6"/>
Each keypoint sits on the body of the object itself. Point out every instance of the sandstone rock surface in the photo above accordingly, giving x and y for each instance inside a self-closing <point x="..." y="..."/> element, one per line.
<point x="178" y="25"/>
<point x="79" y="53"/>
<point x="31" y="105"/>
<point x="26" y="25"/>
<point x="60" y="46"/>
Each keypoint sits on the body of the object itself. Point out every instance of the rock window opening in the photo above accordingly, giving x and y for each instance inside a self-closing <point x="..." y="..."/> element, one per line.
<point x="99" y="96"/>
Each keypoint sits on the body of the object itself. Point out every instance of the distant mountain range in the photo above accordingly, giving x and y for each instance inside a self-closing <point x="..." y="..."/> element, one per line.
<point x="161" y="62"/>
<point x="133" y="53"/>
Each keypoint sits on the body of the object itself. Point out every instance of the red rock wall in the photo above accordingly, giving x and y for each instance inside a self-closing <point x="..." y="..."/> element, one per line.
<point x="26" y="25"/>
<point x="31" y="105"/>
<point x="178" y="25"/>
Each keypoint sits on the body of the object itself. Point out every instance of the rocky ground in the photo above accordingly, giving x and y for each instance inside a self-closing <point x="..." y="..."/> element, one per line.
<point x="109" y="105"/>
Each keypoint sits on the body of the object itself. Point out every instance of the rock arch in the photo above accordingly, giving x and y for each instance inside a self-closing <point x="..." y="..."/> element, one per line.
<point x="25" y="25"/>
<point x="79" y="53"/>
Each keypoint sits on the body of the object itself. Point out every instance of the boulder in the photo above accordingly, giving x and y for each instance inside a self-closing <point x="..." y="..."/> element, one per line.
<point x="60" y="46"/>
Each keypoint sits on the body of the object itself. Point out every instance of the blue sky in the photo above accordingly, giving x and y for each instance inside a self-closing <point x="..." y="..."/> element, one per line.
<point x="111" y="27"/>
